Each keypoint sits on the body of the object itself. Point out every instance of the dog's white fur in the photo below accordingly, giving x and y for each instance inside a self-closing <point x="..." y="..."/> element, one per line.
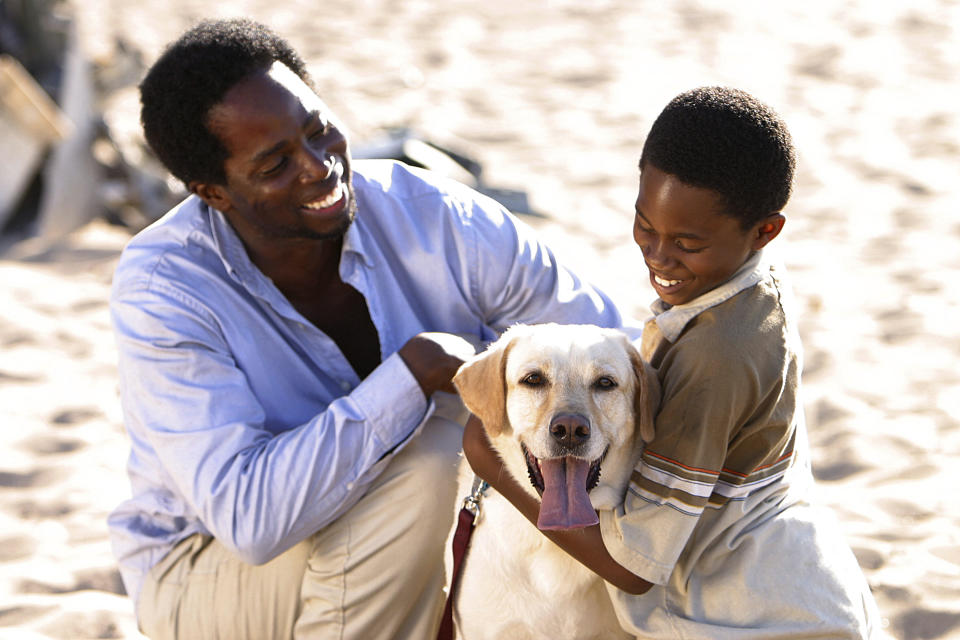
<point x="515" y="583"/>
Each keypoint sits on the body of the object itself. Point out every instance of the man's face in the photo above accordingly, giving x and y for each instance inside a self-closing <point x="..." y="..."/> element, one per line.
<point x="288" y="166"/>
<point x="689" y="245"/>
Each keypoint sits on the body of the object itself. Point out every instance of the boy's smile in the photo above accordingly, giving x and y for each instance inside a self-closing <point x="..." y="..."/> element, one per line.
<point x="689" y="244"/>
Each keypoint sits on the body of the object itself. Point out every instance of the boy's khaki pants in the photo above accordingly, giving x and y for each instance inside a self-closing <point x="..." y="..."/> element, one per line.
<point x="376" y="572"/>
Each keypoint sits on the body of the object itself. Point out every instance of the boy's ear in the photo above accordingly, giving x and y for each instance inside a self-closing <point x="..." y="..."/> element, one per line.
<point x="767" y="229"/>
<point x="213" y="194"/>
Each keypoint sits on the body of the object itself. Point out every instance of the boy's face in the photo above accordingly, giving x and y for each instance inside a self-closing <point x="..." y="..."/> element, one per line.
<point x="689" y="245"/>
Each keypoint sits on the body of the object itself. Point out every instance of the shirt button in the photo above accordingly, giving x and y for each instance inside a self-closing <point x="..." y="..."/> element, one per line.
<point x="345" y="385"/>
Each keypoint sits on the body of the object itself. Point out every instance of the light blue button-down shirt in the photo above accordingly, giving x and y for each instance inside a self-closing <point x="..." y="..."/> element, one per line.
<point x="246" y="421"/>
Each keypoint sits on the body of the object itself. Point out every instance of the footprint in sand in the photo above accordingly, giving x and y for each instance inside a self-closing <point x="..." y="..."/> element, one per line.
<point x="31" y="479"/>
<point x="904" y="511"/>
<point x="836" y="471"/>
<point x="101" y="579"/>
<point x="70" y="417"/>
<point x="34" y="510"/>
<point x="919" y="624"/>
<point x="51" y="445"/>
<point x="16" y="616"/>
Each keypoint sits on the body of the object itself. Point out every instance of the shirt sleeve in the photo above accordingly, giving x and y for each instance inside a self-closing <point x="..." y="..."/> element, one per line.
<point x="187" y="403"/>
<point x="515" y="278"/>
<point x="707" y="390"/>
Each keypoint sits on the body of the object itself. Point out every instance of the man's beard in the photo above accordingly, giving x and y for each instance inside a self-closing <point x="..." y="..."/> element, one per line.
<point x="304" y="232"/>
<point x="340" y="231"/>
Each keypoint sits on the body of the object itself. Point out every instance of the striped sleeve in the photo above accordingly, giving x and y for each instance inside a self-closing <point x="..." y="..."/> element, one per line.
<point x="663" y="481"/>
<point x="724" y="431"/>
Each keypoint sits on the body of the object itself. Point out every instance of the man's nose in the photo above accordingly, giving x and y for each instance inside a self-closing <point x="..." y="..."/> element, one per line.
<point x="316" y="164"/>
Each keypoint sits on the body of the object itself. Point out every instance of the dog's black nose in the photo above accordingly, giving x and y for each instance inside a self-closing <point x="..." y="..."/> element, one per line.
<point x="570" y="430"/>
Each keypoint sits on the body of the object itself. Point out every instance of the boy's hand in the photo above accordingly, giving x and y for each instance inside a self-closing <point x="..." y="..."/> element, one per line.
<point x="482" y="458"/>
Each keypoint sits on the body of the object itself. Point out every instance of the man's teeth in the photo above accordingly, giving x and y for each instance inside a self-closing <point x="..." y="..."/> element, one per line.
<point x="331" y="198"/>
<point x="665" y="283"/>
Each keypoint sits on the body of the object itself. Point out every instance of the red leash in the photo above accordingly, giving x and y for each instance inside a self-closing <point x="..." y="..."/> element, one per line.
<point x="461" y="541"/>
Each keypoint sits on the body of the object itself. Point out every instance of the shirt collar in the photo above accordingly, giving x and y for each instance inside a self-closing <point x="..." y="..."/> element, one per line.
<point x="229" y="246"/>
<point x="353" y="239"/>
<point x="672" y="320"/>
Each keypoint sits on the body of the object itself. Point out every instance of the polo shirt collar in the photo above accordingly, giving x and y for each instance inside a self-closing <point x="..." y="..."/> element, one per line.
<point x="671" y="320"/>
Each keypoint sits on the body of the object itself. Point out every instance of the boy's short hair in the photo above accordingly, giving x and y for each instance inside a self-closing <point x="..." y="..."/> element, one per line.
<point x="725" y="140"/>
<point x="192" y="75"/>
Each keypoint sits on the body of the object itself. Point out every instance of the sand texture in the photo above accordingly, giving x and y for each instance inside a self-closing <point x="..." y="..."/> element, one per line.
<point x="554" y="98"/>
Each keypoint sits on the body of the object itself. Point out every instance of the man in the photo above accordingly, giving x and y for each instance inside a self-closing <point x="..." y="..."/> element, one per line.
<point x="287" y="336"/>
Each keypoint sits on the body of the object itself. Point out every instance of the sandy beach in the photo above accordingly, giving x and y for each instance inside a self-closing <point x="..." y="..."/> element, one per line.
<point x="554" y="99"/>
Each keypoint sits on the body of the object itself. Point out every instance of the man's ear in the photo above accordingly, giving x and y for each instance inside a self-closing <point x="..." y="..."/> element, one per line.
<point x="213" y="194"/>
<point x="766" y="230"/>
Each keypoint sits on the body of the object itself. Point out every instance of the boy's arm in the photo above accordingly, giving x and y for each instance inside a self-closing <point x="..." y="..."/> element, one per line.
<point x="585" y="545"/>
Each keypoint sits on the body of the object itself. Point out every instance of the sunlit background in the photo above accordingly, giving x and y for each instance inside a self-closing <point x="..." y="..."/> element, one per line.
<point x="552" y="101"/>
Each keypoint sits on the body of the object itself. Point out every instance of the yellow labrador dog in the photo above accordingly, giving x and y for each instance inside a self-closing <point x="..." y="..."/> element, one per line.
<point x="567" y="408"/>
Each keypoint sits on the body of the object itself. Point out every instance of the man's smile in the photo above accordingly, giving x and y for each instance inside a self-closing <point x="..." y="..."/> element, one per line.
<point x="328" y="201"/>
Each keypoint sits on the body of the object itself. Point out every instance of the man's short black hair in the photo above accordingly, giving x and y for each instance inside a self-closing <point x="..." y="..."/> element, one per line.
<point x="192" y="75"/>
<point x="725" y="140"/>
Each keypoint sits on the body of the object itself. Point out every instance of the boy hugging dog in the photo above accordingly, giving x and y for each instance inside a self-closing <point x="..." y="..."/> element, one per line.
<point x="716" y="537"/>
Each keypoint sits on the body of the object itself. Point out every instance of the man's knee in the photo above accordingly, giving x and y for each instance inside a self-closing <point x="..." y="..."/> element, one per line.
<point x="429" y="473"/>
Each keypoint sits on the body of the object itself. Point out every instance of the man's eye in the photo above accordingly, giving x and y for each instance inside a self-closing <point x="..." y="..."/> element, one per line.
<point x="605" y="383"/>
<point x="532" y="380"/>
<point x="275" y="167"/>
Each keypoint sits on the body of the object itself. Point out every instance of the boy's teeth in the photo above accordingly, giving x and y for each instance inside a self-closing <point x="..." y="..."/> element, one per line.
<point x="333" y="197"/>
<point x="665" y="283"/>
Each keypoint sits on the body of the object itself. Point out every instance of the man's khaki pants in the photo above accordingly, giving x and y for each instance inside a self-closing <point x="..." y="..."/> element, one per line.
<point x="376" y="572"/>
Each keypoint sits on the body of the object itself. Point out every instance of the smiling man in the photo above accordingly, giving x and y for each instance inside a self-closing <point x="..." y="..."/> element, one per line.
<point x="287" y="337"/>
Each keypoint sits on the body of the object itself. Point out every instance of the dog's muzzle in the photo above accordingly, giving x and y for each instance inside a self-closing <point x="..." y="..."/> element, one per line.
<point x="564" y="483"/>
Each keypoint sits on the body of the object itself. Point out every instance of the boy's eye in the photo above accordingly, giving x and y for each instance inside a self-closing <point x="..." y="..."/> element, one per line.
<point x="686" y="247"/>
<point x="639" y="226"/>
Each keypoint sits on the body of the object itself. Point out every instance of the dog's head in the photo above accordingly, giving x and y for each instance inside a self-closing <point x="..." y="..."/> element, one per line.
<point x="569" y="406"/>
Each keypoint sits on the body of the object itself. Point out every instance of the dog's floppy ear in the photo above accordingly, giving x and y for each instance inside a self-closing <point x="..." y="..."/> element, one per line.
<point x="647" y="399"/>
<point x="483" y="387"/>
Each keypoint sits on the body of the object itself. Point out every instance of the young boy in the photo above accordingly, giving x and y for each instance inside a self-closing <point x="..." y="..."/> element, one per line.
<point x="715" y="538"/>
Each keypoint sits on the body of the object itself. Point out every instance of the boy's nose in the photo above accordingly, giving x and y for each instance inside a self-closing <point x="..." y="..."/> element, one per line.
<point x="657" y="253"/>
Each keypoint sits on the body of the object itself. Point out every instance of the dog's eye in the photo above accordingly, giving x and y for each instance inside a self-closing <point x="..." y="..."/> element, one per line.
<point x="604" y="383"/>
<point x="532" y="379"/>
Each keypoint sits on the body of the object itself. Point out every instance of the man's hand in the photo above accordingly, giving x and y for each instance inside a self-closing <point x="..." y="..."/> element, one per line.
<point x="433" y="358"/>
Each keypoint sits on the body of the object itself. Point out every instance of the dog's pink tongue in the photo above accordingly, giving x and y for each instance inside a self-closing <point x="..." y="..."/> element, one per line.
<point x="565" y="503"/>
